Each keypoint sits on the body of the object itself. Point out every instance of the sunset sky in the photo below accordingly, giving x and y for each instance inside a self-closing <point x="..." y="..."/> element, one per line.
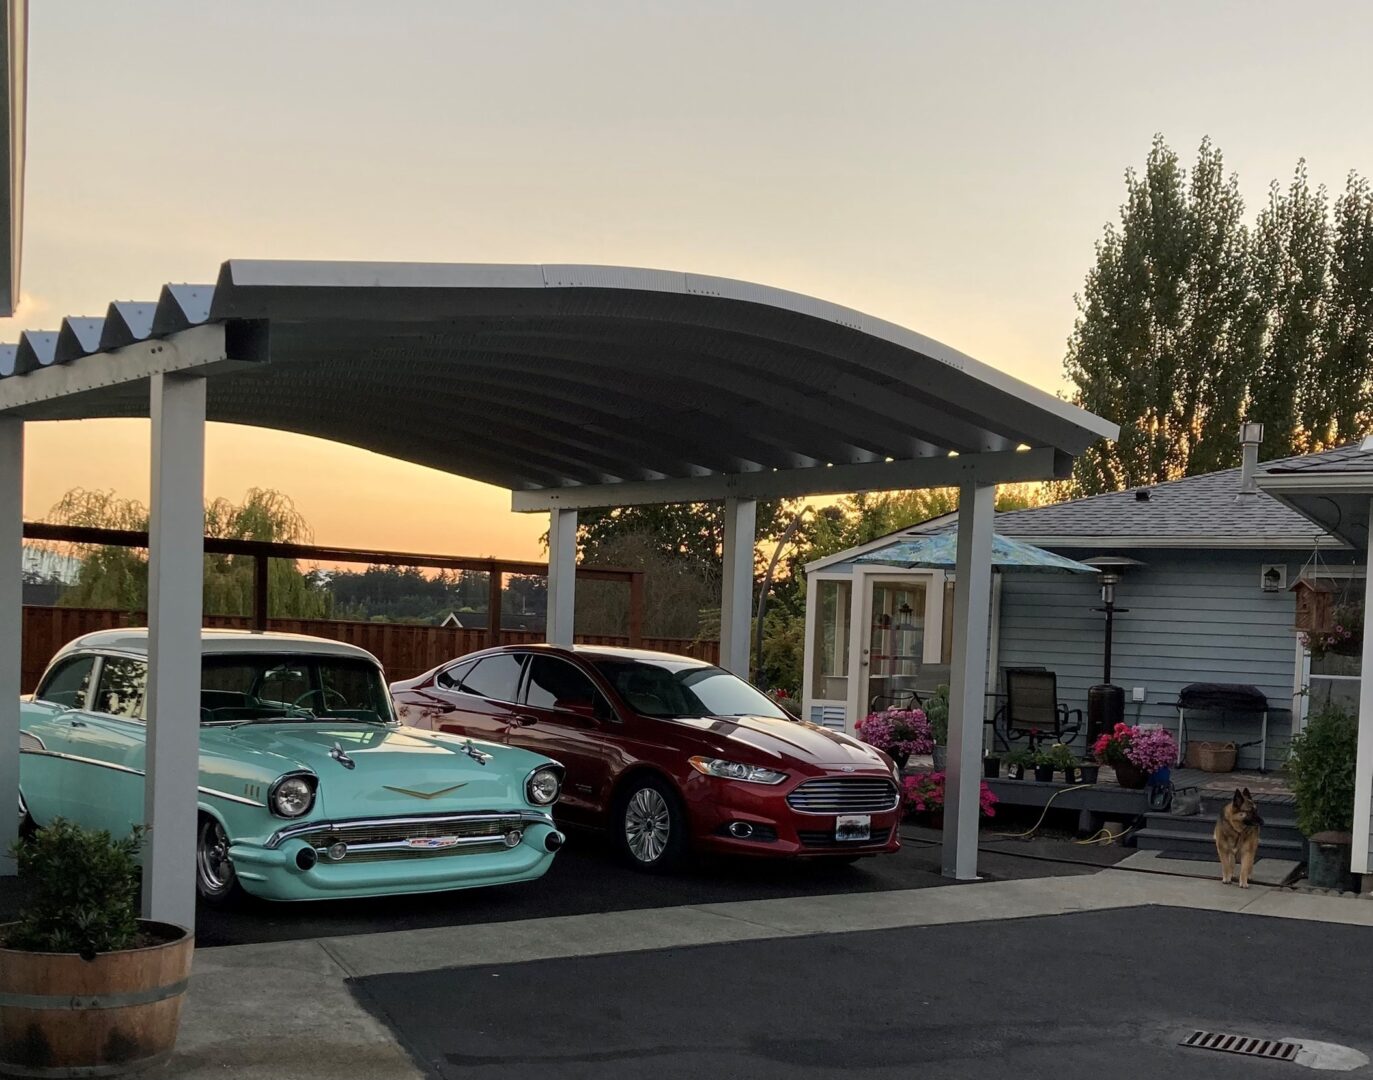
<point x="944" y="166"/>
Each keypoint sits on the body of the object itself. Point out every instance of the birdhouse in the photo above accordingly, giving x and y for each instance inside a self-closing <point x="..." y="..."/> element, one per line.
<point x="1315" y="605"/>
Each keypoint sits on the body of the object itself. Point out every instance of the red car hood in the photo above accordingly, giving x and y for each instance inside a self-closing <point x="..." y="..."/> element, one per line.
<point x="771" y="740"/>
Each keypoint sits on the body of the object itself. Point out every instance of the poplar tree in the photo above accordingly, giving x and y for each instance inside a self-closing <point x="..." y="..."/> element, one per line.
<point x="1291" y="259"/>
<point x="1344" y="411"/>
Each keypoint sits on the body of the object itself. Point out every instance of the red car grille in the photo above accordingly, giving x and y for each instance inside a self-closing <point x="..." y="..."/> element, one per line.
<point x="819" y="838"/>
<point x="845" y="795"/>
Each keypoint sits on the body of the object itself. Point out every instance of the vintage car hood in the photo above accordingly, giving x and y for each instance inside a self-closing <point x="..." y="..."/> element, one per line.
<point x="393" y="770"/>
<point x="771" y="738"/>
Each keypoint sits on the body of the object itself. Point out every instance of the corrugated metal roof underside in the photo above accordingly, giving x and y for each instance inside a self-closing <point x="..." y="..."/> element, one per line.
<point x="539" y="377"/>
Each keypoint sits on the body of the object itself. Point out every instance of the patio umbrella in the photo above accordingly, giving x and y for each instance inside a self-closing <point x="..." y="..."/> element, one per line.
<point x="939" y="551"/>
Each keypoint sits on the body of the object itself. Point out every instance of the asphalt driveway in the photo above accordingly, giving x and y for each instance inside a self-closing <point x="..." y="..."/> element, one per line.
<point x="1087" y="995"/>
<point x="587" y="878"/>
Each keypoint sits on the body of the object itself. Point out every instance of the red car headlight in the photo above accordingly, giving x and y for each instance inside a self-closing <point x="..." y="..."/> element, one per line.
<point x="734" y="770"/>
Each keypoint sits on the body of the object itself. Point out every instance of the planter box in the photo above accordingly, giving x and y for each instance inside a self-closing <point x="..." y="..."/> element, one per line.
<point x="61" y="1015"/>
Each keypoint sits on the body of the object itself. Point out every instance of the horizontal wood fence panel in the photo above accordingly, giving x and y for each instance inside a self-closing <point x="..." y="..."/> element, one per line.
<point x="404" y="649"/>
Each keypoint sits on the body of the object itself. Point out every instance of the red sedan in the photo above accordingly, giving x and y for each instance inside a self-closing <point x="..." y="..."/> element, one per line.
<point x="670" y="753"/>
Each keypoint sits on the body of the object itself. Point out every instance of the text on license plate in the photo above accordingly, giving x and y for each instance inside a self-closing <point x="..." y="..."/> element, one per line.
<point x="853" y="827"/>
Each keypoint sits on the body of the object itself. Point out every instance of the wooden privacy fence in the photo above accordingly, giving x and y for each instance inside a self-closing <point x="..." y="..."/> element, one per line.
<point x="404" y="649"/>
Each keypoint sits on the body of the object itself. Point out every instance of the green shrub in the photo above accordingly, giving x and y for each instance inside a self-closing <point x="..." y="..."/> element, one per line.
<point x="1321" y="766"/>
<point x="937" y="712"/>
<point x="82" y="888"/>
<point x="1061" y="757"/>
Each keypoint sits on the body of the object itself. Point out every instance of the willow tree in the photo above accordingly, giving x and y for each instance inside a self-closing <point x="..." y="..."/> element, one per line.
<point x="110" y="576"/>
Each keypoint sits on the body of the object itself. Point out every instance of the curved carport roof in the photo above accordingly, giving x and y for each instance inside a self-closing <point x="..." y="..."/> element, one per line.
<point x="540" y="378"/>
<point x="573" y="386"/>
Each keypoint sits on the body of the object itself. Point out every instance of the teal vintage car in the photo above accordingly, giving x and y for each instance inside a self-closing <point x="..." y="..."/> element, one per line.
<point x="309" y="786"/>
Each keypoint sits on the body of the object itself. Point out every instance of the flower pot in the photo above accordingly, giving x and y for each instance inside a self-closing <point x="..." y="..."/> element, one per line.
<point x="940" y="754"/>
<point x="61" y="1015"/>
<point x="1130" y="775"/>
<point x="1044" y="774"/>
<point x="1089" y="774"/>
<point x="991" y="767"/>
<point x="1327" y="860"/>
<point x="901" y="759"/>
<point x="936" y="819"/>
<point x="1070" y="775"/>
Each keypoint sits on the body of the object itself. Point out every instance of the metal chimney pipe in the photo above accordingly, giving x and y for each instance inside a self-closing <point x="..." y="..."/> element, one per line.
<point x="1251" y="438"/>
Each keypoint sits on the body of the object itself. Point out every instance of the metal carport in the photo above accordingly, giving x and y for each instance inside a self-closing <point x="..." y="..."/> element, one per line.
<point x="572" y="386"/>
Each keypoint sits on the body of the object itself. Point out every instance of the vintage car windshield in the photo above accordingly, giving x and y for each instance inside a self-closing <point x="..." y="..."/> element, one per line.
<point x="253" y="688"/>
<point x="664" y="688"/>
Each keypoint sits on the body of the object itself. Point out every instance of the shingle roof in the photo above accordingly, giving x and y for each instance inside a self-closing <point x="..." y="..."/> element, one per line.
<point x="1357" y="458"/>
<point x="1196" y="510"/>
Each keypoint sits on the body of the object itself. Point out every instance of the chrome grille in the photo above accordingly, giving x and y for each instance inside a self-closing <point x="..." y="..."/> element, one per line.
<point x="844" y="795"/>
<point x="358" y="835"/>
<point x="824" y="838"/>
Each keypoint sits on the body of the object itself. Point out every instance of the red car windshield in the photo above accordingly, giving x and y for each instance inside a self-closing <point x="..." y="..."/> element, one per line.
<point x="667" y="689"/>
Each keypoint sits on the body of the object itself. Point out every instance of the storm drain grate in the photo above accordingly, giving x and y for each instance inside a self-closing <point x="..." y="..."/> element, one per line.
<point x="1271" y="1049"/>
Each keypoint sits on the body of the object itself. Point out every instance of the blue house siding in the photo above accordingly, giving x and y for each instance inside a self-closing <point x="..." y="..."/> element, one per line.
<point x="1194" y="616"/>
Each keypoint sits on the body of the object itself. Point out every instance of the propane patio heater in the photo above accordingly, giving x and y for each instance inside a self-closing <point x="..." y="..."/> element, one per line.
<point x="1106" y="701"/>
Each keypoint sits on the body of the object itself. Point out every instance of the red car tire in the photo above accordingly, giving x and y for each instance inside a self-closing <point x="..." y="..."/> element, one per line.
<point x="650" y="825"/>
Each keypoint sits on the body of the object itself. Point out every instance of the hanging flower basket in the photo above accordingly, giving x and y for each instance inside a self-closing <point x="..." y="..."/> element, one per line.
<point x="1343" y="636"/>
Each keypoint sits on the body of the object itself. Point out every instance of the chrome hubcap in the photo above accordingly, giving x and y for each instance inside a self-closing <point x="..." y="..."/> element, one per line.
<point x="212" y="858"/>
<point x="646" y="825"/>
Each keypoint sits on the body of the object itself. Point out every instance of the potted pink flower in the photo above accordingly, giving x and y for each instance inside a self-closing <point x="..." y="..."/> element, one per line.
<point x="898" y="733"/>
<point x="1135" y="753"/>
<point x="923" y="796"/>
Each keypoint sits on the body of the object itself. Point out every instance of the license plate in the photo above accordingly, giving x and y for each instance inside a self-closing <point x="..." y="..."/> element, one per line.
<point x="853" y="827"/>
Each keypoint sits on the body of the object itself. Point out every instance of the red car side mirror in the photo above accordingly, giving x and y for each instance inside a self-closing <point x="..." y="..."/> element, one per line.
<point x="584" y="710"/>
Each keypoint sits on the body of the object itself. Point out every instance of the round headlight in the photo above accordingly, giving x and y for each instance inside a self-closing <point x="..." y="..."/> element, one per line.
<point x="292" y="797"/>
<point x="543" y="787"/>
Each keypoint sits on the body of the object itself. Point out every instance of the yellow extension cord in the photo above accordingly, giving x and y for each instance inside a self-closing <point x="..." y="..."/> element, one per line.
<point x="1102" y="836"/>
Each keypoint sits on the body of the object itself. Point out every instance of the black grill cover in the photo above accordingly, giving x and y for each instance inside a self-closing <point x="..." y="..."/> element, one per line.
<point x="1234" y="696"/>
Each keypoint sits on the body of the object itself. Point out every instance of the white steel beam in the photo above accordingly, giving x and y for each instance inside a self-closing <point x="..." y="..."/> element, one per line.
<point x="562" y="576"/>
<point x="1363" y="757"/>
<point x="736" y="586"/>
<point x="11" y="628"/>
<point x="201" y="348"/>
<point x="176" y="529"/>
<point x="968" y="679"/>
<point x="1002" y="467"/>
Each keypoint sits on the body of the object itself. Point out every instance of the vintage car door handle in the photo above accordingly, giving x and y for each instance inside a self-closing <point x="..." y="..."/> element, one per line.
<point x="524" y="720"/>
<point x="77" y="723"/>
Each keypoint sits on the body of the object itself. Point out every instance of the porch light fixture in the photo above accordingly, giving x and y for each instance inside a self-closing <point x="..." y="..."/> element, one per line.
<point x="1273" y="578"/>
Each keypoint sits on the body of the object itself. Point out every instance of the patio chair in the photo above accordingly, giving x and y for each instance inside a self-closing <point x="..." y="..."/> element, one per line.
<point x="897" y="699"/>
<point x="1032" y="710"/>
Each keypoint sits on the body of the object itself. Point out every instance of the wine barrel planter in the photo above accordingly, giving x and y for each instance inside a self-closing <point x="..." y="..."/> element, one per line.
<point x="62" y="1016"/>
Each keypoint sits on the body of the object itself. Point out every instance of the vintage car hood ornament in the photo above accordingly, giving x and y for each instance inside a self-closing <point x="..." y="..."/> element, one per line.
<point x="423" y="794"/>
<point x="338" y="754"/>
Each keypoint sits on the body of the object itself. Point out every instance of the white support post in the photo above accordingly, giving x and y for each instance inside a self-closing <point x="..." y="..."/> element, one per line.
<point x="562" y="576"/>
<point x="736" y="586"/>
<point x="11" y="628"/>
<point x="1363" y="757"/>
<point x="176" y="531"/>
<point x="968" y="679"/>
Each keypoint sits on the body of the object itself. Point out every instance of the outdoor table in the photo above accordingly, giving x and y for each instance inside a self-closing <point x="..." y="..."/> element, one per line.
<point x="1230" y="697"/>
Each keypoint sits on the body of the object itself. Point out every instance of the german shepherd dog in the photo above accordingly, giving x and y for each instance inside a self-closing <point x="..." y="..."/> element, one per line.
<point x="1237" y="836"/>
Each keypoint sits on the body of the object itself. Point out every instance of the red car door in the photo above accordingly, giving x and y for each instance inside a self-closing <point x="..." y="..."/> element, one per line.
<point x="563" y="715"/>
<point x="473" y="699"/>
